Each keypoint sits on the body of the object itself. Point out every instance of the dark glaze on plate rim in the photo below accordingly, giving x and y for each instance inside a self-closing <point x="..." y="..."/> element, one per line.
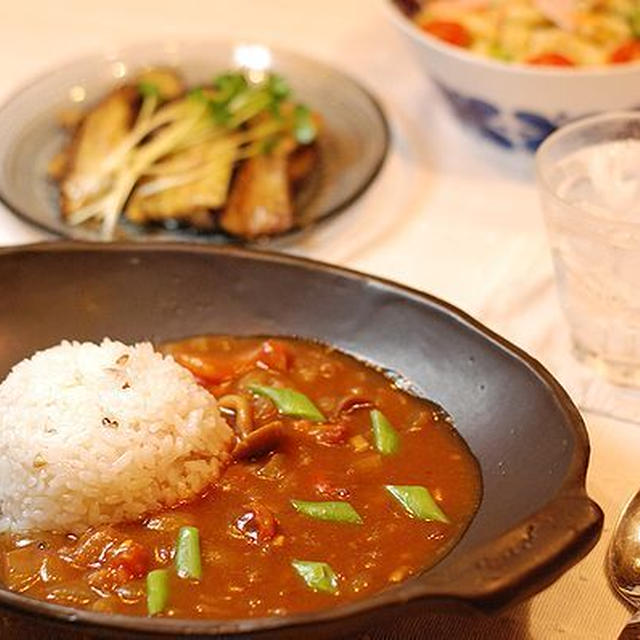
<point x="498" y="572"/>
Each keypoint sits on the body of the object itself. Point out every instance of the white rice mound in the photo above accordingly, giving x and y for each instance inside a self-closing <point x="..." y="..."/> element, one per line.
<point x="95" y="434"/>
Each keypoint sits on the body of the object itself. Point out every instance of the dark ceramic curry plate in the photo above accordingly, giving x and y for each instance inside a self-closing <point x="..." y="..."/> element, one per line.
<point x="535" y="519"/>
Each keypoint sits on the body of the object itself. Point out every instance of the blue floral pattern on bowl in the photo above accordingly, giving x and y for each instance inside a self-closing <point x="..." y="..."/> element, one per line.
<point x="517" y="130"/>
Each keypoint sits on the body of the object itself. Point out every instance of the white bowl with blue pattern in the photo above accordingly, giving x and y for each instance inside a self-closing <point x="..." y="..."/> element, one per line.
<point x="515" y="105"/>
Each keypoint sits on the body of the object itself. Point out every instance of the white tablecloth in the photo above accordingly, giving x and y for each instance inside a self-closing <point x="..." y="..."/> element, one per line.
<point x="449" y="215"/>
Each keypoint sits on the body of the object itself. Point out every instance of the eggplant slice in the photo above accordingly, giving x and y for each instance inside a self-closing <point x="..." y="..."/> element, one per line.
<point x="302" y="161"/>
<point x="99" y="133"/>
<point x="206" y="188"/>
<point x="259" y="203"/>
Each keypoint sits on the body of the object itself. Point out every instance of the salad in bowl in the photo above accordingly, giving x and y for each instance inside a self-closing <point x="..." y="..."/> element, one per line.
<point x="539" y="32"/>
<point x="515" y="70"/>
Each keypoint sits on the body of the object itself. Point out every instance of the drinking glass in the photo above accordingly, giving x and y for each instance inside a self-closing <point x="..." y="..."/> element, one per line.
<point x="589" y="183"/>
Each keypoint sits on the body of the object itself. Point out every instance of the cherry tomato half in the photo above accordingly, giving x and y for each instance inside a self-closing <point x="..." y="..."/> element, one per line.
<point x="628" y="52"/>
<point x="551" y="60"/>
<point x="452" y="32"/>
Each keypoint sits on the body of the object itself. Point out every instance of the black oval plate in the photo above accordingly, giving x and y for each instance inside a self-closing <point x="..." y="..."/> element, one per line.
<point x="535" y="519"/>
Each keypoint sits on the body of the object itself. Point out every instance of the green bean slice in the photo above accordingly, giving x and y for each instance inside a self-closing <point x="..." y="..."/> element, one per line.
<point x="157" y="591"/>
<point x="318" y="576"/>
<point x="418" y="502"/>
<point x="333" y="511"/>
<point x="188" y="562"/>
<point x="289" y="402"/>
<point x="385" y="437"/>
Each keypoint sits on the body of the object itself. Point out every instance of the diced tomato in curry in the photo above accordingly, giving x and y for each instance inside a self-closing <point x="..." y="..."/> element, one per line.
<point x="249" y="532"/>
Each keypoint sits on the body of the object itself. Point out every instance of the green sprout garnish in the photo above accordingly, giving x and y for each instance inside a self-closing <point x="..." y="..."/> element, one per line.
<point x="148" y="89"/>
<point x="196" y="94"/>
<point x="278" y="87"/>
<point x="228" y="86"/>
<point x="219" y="111"/>
<point x="305" y="129"/>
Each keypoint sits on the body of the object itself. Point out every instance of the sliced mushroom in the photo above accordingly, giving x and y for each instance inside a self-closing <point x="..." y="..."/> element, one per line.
<point x="241" y="407"/>
<point x="260" y="441"/>
<point x="353" y="403"/>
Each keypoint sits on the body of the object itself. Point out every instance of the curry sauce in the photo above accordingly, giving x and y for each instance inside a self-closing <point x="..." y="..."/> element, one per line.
<point x="356" y="487"/>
